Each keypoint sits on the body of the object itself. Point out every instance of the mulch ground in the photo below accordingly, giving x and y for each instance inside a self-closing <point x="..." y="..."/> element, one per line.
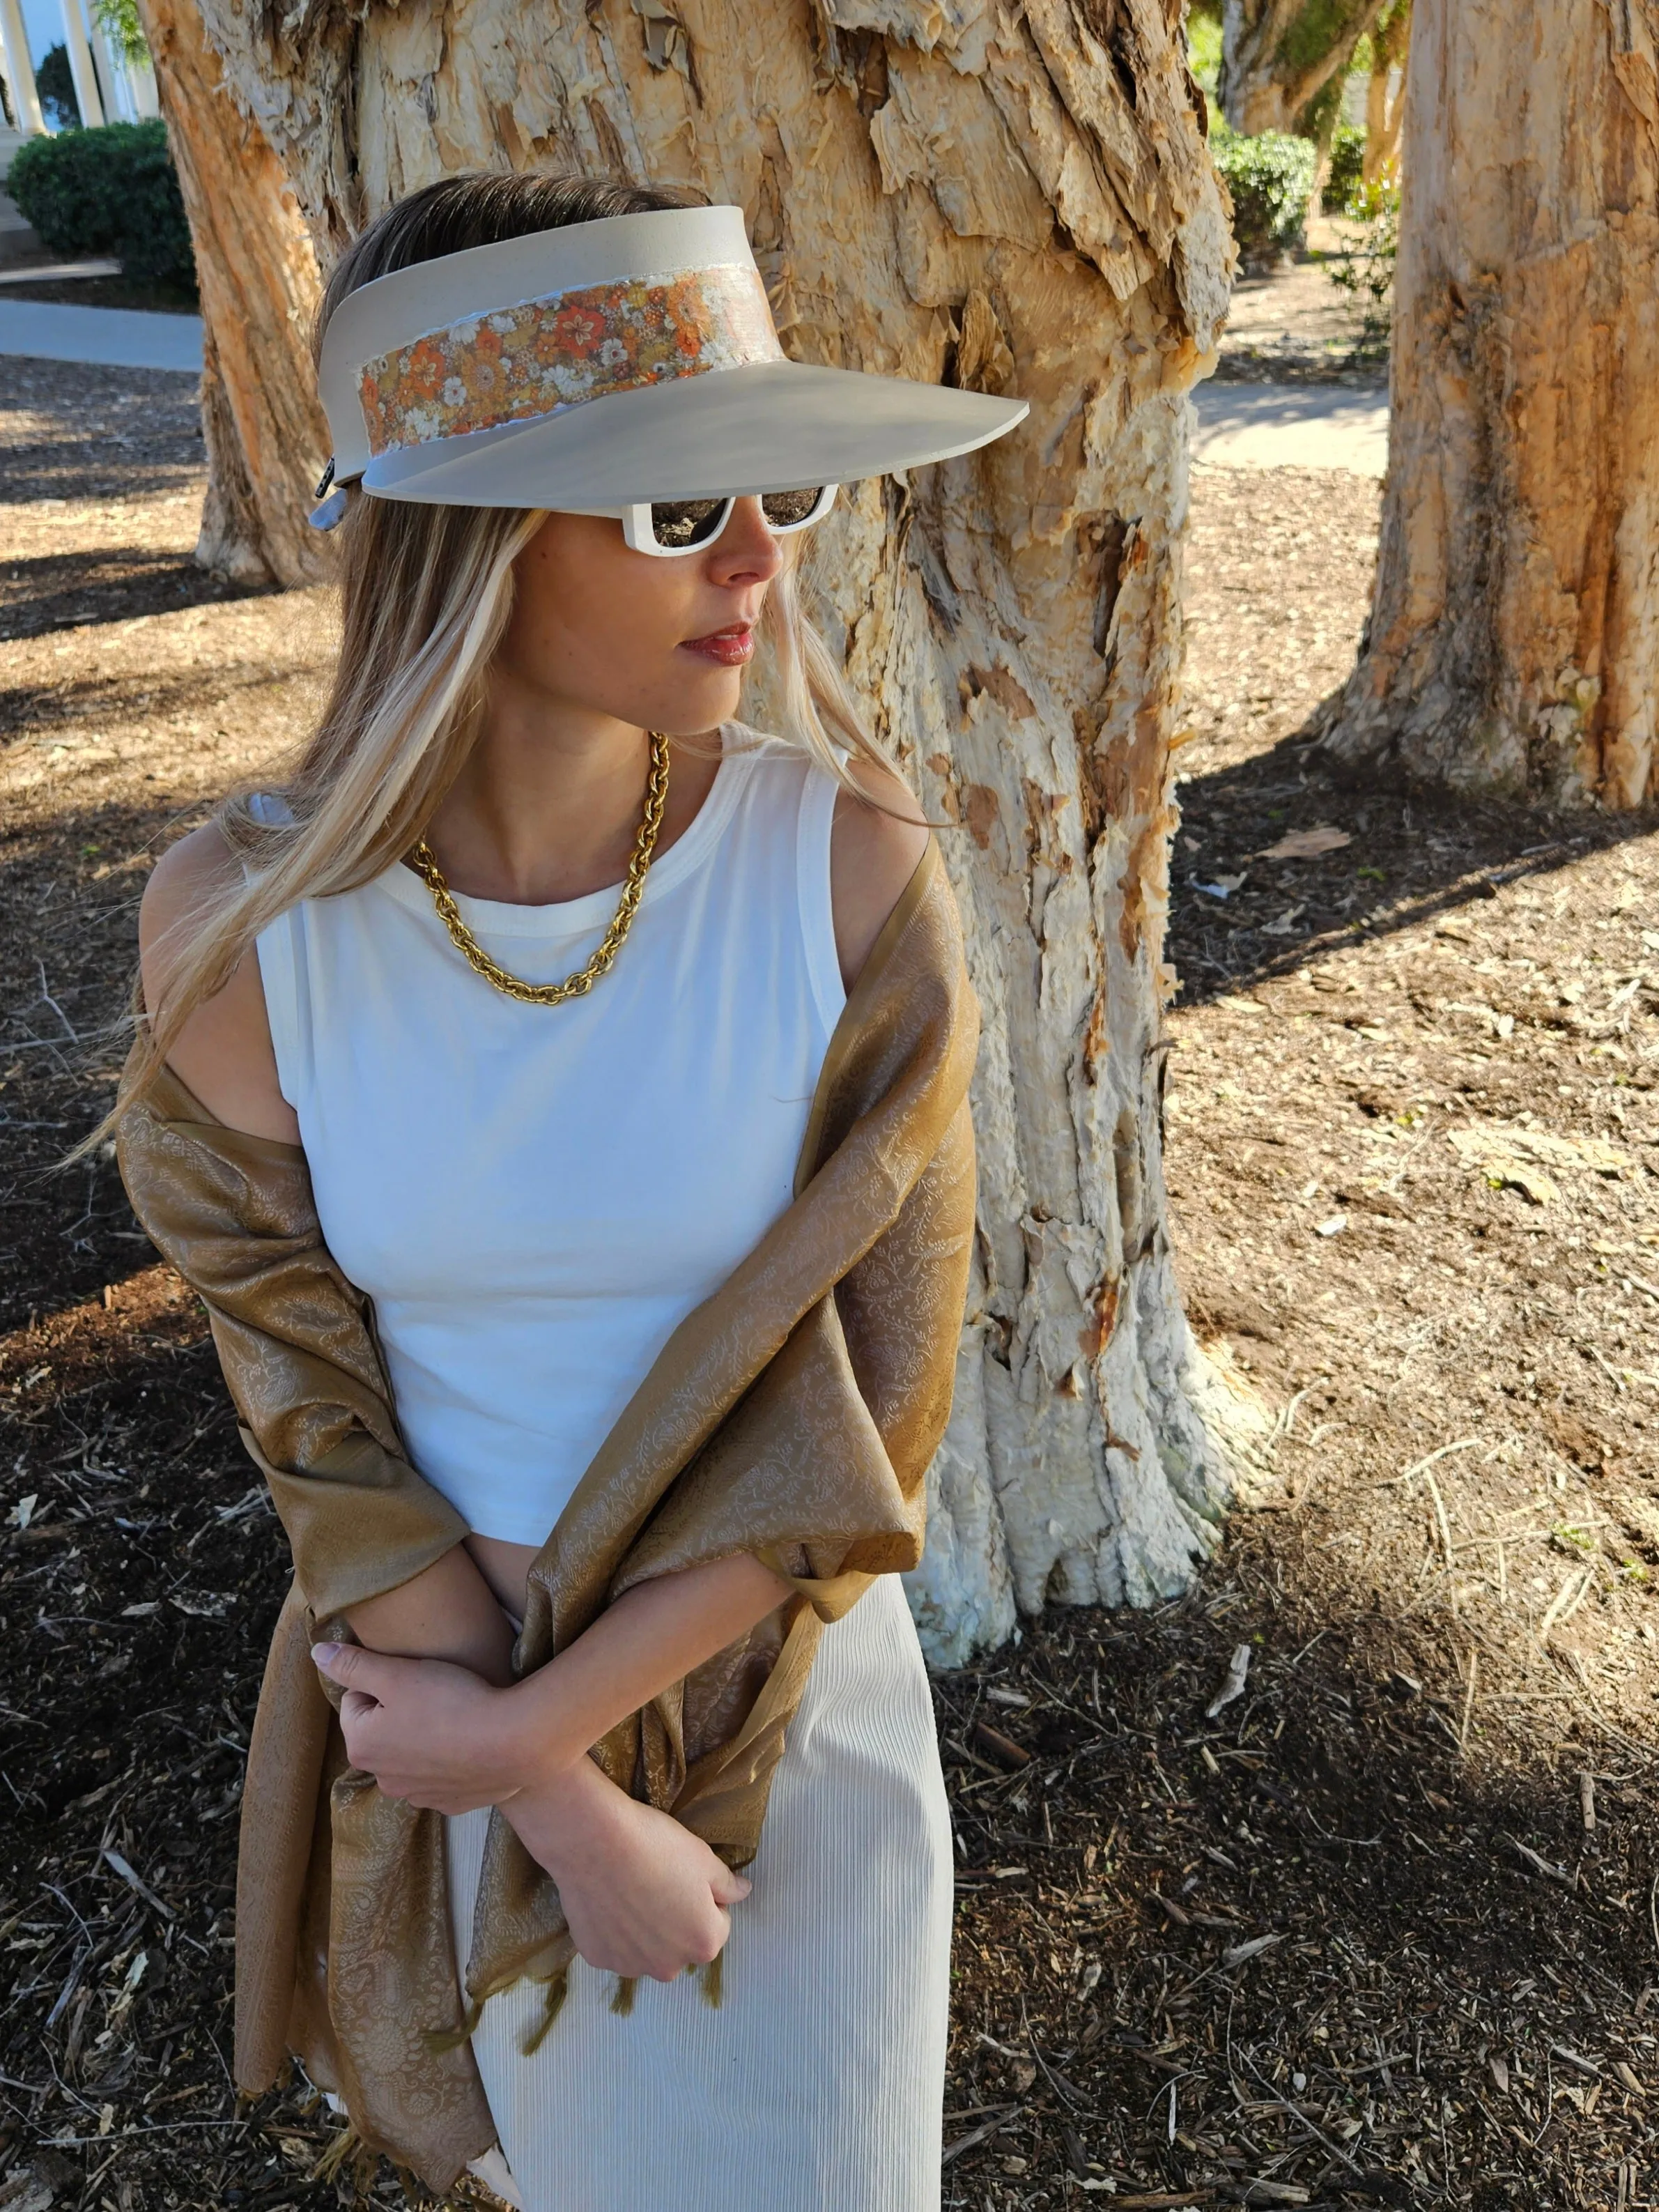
<point x="1380" y="1928"/>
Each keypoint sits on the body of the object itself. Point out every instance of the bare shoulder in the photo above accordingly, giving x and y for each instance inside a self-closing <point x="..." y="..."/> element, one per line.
<point x="194" y="868"/>
<point x="874" y="850"/>
<point x="224" y="1052"/>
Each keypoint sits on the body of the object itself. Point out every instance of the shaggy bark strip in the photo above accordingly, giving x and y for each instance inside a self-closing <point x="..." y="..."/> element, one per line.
<point x="258" y="275"/>
<point x="1514" y="638"/>
<point x="999" y="200"/>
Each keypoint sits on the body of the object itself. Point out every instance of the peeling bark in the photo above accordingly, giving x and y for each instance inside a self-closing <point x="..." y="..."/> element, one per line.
<point x="1513" y="645"/>
<point x="1283" y="61"/>
<point x="944" y="190"/>
<point x="258" y="277"/>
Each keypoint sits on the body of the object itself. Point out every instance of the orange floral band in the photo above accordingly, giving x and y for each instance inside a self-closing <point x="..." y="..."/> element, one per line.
<point x="544" y="355"/>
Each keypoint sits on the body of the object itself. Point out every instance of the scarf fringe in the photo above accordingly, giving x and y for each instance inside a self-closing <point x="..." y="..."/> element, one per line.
<point x="710" y="1981"/>
<point x="438" y="2040"/>
<point x="557" y="1987"/>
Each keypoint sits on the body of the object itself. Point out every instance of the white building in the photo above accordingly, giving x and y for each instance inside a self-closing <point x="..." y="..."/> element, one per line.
<point x="107" y="88"/>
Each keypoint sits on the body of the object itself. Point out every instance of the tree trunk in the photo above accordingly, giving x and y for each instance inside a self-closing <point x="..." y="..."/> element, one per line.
<point x="1283" y="61"/>
<point x="1513" y="645"/>
<point x="266" y="439"/>
<point x="998" y="200"/>
<point x="1385" y="94"/>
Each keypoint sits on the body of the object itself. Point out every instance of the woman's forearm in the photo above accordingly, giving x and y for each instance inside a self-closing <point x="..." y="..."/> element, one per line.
<point x="446" y="1611"/>
<point x="652" y="1636"/>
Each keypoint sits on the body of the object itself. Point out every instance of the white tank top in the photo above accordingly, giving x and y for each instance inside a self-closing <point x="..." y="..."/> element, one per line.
<point x="535" y="1197"/>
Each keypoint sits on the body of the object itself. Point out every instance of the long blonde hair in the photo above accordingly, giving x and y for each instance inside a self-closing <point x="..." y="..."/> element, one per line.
<point x="425" y="595"/>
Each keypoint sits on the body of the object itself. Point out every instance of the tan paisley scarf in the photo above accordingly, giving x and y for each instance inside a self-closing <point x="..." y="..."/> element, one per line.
<point x="792" y="1416"/>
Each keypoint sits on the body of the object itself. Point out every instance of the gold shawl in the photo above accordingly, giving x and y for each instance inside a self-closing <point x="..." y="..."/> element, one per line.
<point x="792" y="1416"/>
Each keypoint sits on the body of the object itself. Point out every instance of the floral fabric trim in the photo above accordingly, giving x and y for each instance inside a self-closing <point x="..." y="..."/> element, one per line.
<point x="544" y="355"/>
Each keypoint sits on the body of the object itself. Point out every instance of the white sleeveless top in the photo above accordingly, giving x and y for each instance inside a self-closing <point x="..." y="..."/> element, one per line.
<point x="535" y="1197"/>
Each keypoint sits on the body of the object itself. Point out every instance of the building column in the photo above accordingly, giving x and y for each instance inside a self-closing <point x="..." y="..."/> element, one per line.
<point x="20" y="71"/>
<point x="82" y="68"/>
<point x="104" y="69"/>
<point x="141" y="82"/>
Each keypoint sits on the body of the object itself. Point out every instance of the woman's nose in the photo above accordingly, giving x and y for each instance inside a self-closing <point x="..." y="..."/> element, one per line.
<point x="745" y="547"/>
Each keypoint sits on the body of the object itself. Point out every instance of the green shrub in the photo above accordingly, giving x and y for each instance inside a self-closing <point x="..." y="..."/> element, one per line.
<point x="1270" y="179"/>
<point x="1364" y="268"/>
<point x="109" y="190"/>
<point x="1348" y="165"/>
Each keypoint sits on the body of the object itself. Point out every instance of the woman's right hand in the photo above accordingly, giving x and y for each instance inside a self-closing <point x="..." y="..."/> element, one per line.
<point x="642" y="1895"/>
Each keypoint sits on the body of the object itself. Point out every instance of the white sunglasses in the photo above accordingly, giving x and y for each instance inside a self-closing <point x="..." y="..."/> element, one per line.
<point x="670" y="527"/>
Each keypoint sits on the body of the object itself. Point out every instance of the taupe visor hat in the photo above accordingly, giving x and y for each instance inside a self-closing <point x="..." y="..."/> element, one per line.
<point x="604" y="363"/>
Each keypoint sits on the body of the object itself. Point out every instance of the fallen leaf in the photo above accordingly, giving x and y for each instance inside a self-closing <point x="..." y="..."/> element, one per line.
<point x="28" y="2192"/>
<point x="205" y="1607"/>
<point x="1333" y="1227"/>
<point x="1531" y="1183"/>
<point x="1307" y="844"/>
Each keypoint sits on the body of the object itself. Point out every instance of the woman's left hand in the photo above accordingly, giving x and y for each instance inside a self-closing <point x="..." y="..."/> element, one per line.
<point x="427" y="1731"/>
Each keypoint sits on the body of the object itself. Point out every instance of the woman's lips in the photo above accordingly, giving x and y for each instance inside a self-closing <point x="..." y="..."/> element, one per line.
<point x="730" y="647"/>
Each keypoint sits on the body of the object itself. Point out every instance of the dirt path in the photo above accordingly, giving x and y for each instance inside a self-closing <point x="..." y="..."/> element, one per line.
<point x="1350" y="1939"/>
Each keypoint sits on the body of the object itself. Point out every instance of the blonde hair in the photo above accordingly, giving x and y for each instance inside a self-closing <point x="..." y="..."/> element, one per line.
<point x="426" y="594"/>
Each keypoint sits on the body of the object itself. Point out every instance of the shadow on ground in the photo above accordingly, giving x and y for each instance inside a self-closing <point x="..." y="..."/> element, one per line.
<point x="1328" y="1942"/>
<point x="1237" y="917"/>
<point x="65" y="590"/>
<point x="1326" y="1946"/>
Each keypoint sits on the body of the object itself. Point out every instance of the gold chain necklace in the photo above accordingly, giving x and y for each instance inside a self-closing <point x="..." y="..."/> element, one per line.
<point x="424" y="863"/>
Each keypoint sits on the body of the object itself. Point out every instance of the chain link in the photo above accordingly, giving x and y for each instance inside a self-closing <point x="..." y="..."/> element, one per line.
<point x="424" y="863"/>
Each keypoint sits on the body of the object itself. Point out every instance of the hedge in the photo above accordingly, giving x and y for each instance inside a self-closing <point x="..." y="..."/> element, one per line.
<point x="1270" y="179"/>
<point x="108" y="191"/>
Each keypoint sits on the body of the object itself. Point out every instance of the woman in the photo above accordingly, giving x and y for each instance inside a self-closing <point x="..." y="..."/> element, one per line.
<point x="579" y="1182"/>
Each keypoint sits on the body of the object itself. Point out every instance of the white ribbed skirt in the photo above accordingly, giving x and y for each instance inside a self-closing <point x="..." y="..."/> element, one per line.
<point x="816" y="2084"/>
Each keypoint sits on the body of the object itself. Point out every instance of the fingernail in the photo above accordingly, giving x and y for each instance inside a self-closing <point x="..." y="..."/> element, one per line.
<point x="325" y="1654"/>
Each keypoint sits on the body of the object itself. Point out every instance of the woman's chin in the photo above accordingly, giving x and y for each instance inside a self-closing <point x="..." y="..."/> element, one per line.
<point x="703" y="698"/>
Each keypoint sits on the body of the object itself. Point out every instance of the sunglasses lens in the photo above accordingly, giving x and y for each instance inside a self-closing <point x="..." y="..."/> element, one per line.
<point x="678" y="523"/>
<point x="788" y="510"/>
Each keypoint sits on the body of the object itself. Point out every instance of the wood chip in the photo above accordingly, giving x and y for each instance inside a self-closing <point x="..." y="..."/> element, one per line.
<point x="1232" y="1684"/>
<point x="1001" y="1747"/>
<point x="1252" y="1949"/>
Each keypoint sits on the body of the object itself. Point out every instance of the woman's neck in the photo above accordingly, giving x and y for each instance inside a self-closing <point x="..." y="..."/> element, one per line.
<point x="547" y="805"/>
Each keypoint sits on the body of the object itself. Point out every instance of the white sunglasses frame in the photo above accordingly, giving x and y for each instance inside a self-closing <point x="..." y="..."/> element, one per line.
<point x="635" y="521"/>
